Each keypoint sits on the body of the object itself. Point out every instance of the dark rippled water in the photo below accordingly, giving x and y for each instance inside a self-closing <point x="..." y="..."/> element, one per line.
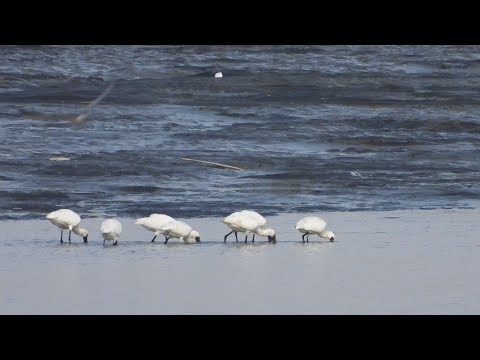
<point x="318" y="128"/>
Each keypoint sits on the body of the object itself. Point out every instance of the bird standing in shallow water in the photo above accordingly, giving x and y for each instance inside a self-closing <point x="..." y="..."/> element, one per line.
<point x="66" y="219"/>
<point x="154" y="223"/>
<point x="248" y="221"/>
<point x="314" y="225"/>
<point x="181" y="230"/>
<point x="111" y="230"/>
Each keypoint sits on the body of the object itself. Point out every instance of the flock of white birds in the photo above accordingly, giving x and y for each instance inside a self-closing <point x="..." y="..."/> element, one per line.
<point x="246" y="221"/>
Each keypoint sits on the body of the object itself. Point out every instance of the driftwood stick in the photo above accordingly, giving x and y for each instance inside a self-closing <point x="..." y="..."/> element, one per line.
<point x="214" y="163"/>
<point x="82" y="117"/>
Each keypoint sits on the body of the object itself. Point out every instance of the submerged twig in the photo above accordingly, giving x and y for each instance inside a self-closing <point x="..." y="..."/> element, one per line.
<point x="77" y="119"/>
<point x="82" y="117"/>
<point x="214" y="163"/>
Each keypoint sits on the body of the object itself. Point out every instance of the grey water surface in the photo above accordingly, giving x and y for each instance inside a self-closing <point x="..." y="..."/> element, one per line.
<point x="394" y="262"/>
<point x="317" y="128"/>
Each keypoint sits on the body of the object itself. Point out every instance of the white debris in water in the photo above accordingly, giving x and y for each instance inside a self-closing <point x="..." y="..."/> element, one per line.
<point x="219" y="74"/>
<point x="59" y="158"/>
<point x="354" y="173"/>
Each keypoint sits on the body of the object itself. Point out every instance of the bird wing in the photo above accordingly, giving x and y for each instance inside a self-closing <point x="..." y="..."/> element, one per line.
<point x="228" y="219"/>
<point x="242" y="221"/>
<point x="154" y="223"/>
<point x="177" y="229"/>
<point x="66" y="216"/>
<point x="311" y="223"/>
<point x="261" y="220"/>
<point x="161" y="219"/>
<point x="111" y="226"/>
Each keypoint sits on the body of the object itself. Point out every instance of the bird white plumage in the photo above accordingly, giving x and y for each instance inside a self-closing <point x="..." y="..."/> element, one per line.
<point x="261" y="220"/>
<point x="180" y="230"/>
<point x="111" y="230"/>
<point x="314" y="225"/>
<point x="247" y="221"/>
<point x="310" y="224"/>
<point x="192" y="238"/>
<point x="269" y="232"/>
<point x="66" y="219"/>
<point x="241" y="222"/>
<point x="154" y="223"/>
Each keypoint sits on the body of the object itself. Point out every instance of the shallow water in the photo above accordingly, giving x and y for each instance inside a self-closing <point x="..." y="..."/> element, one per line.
<point x="329" y="128"/>
<point x="398" y="262"/>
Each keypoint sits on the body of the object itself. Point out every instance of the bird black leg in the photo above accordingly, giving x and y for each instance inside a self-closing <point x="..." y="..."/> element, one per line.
<point x="103" y="242"/>
<point x="166" y="240"/>
<point x="307" y="238"/>
<point x="303" y="237"/>
<point x="115" y="243"/>
<point x="69" y="234"/>
<point x="154" y="238"/>
<point x="236" y="237"/>
<point x="246" y="236"/>
<point x="225" y="237"/>
<point x="253" y="240"/>
<point x="61" y="237"/>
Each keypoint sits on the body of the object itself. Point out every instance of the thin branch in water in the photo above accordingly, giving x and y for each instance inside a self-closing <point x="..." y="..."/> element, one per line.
<point x="214" y="164"/>
<point x="82" y="117"/>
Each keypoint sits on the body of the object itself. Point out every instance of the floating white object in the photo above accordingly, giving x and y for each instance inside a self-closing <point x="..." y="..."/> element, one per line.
<point x="59" y="158"/>
<point x="218" y="75"/>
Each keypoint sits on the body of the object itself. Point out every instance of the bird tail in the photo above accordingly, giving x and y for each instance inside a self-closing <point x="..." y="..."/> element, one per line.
<point x="140" y="221"/>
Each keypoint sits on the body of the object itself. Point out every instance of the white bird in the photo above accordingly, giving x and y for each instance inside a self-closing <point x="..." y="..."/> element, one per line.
<point x="154" y="223"/>
<point x="240" y="221"/>
<point x="261" y="221"/>
<point x="247" y="221"/>
<point x="67" y="219"/>
<point x="180" y="230"/>
<point x="314" y="225"/>
<point x="219" y="74"/>
<point x="111" y="230"/>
